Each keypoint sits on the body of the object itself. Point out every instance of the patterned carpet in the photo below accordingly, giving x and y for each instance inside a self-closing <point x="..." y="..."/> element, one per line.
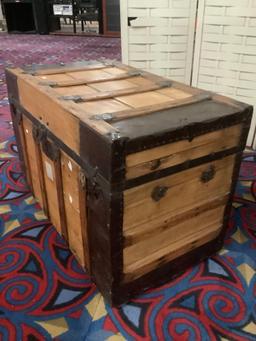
<point x="45" y="295"/>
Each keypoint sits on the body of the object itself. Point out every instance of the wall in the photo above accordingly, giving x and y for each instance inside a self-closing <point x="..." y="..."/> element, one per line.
<point x="160" y="38"/>
<point x="225" y="50"/>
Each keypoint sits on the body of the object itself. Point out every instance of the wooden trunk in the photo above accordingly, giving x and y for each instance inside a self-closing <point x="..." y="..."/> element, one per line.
<point x="136" y="172"/>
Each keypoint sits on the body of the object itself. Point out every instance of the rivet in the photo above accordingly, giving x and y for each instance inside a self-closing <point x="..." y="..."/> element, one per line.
<point x="70" y="166"/>
<point x="115" y="136"/>
<point x="70" y="199"/>
<point x="27" y="131"/>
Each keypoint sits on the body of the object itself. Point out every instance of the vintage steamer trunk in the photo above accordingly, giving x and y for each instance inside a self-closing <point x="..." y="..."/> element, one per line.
<point x="135" y="171"/>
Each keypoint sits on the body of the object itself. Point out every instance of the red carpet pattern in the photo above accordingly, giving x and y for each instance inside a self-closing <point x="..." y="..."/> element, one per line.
<point x="44" y="293"/>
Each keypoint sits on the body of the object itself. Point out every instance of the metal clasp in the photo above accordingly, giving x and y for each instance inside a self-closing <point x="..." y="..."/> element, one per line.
<point x="208" y="174"/>
<point x="159" y="192"/>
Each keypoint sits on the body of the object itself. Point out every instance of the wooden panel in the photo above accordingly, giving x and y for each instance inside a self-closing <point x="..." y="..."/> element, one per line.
<point x="75" y="213"/>
<point x="161" y="102"/>
<point x="50" y="180"/>
<point x="115" y="71"/>
<point x="75" y="90"/>
<point x="56" y="78"/>
<point x="39" y="101"/>
<point x="25" y="152"/>
<point x="35" y="163"/>
<point x="142" y="81"/>
<point x="174" y="93"/>
<point x="139" y="207"/>
<point x="143" y="100"/>
<point x="113" y="85"/>
<point x="172" y="154"/>
<point x="172" y="238"/>
<point x="144" y="231"/>
<point x="74" y="66"/>
<point x="103" y="106"/>
<point x="90" y="75"/>
<point x="170" y="252"/>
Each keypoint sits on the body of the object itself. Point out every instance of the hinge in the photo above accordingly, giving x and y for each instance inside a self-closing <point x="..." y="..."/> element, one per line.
<point x="94" y="175"/>
<point x="18" y="115"/>
<point x="51" y="150"/>
<point x="75" y="98"/>
<point x="94" y="189"/>
<point x="103" y="117"/>
<point x="39" y="133"/>
<point x="82" y="179"/>
<point x="165" y="84"/>
<point x="48" y="83"/>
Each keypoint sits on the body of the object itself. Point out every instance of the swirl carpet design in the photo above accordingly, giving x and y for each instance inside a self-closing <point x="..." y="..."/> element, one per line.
<point x="45" y="295"/>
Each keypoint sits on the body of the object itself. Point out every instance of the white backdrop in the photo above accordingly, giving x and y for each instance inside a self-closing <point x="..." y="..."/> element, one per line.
<point x="219" y="55"/>
<point x="225" y="50"/>
<point x="161" y="37"/>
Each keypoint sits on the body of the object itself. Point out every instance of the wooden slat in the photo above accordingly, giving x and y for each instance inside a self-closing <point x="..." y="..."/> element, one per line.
<point x="101" y="107"/>
<point x="172" y="154"/>
<point x="163" y="246"/>
<point x="35" y="164"/>
<point x="50" y="176"/>
<point x="75" y="213"/>
<point x="173" y="251"/>
<point x="175" y="93"/>
<point x="145" y="99"/>
<point x="117" y="93"/>
<point x="86" y="82"/>
<point x="122" y="84"/>
<point x="25" y="152"/>
<point x="140" y="208"/>
<point x="61" y="77"/>
<point x="122" y="115"/>
<point x="50" y="111"/>
<point x="83" y="219"/>
<point x="145" y="231"/>
<point x="80" y="90"/>
<point x="63" y="69"/>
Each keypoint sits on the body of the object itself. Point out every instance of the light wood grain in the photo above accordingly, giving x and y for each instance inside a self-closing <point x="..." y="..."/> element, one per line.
<point x="90" y="76"/>
<point x="144" y="99"/>
<point x="172" y="154"/>
<point x="164" y="103"/>
<point x="175" y="250"/>
<point x="185" y="191"/>
<point x="80" y="90"/>
<point x="175" y="93"/>
<point x="39" y="101"/>
<point x="102" y="106"/>
<point x="52" y="192"/>
<point x="115" y="70"/>
<point x="146" y="230"/>
<point x="175" y="233"/>
<point x="33" y="155"/>
<point x="55" y="78"/>
<point x="76" y="67"/>
<point x="74" y="215"/>
<point x="114" y="85"/>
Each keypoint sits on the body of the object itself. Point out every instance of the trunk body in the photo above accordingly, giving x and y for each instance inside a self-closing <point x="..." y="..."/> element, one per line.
<point x="137" y="172"/>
